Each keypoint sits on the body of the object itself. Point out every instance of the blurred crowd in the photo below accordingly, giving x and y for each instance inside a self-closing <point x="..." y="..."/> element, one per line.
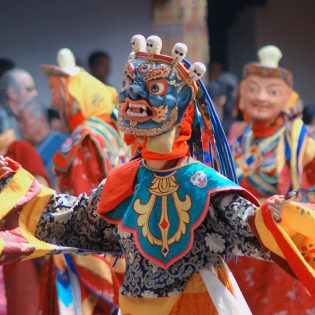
<point x="32" y="133"/>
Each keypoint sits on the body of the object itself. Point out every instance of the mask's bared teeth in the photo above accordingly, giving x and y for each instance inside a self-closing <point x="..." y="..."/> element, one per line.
<point x="138" y="111"/>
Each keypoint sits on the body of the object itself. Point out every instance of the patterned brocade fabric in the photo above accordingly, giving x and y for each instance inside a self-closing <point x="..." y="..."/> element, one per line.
<point x="213" y="239"/>
<point x="73" y="222"/>
<point x="223" y="232"/>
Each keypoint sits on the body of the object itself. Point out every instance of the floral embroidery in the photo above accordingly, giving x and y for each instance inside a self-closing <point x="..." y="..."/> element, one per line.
<point x="215" y="242"/>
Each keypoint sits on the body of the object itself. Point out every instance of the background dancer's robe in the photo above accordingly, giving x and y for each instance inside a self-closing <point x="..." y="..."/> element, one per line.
<point x="22" y="279"/>
<point x="271" y="158"/>
<point x="93" y="148"/>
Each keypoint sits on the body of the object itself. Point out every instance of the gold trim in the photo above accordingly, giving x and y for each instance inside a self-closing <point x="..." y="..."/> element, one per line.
<point x="143" y="306"/>
<point x="163" y="187"/>
<point x="28" y="222"/>
<point x="1" y="246"/>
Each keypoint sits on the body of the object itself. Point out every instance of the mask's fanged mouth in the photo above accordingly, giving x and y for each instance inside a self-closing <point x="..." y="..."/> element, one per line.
<point x="138" y="110"/>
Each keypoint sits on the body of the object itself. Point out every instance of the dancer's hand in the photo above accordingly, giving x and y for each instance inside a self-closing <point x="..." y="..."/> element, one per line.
<point x="7" y="166"/>
<point x="275" y="206"/>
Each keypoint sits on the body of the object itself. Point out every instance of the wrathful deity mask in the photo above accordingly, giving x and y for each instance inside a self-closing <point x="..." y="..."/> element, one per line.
<point x="156" y="88"/>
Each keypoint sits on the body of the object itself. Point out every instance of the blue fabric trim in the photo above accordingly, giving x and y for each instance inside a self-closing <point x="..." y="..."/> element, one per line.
<point x="287" y="149"/>
<point x="302" y="135"/>
<point x="63" y="286"/>
<point x="47" y="150"/>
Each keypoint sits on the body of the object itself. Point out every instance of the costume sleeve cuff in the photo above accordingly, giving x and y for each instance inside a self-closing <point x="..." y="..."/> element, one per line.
<point x="291" y="242"/>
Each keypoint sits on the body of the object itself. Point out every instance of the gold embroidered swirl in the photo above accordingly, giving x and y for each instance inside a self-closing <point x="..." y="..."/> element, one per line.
<point x="163" y="187"/>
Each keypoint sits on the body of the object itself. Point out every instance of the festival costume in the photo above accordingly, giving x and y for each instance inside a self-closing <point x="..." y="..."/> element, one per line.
<point x="95" y="145"/>
<point x="22" y="282"/>
<point x="271" y="160"/>
<point x="84" y="159"/>
<point x="175" y="225"/>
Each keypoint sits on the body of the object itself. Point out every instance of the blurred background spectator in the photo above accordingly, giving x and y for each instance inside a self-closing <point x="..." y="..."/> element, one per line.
<point x="16" y="87"/>
<point x="56" y="123"/>
<point x="99" y="65"/>
<point x="215" y="69"/>
<point x="21" y="279"/>
<point x="223" y="93"/>
<point x="34" y="128"/>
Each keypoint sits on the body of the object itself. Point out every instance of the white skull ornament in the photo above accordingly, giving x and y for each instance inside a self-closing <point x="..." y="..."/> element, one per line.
<point x="154" y="44"/>
<point x="270" y="56"/>
<point x="199" y="179"/>
<point x="179" y="52"/>
<point x="196" y="71"/>
<point x="138" y="43"/>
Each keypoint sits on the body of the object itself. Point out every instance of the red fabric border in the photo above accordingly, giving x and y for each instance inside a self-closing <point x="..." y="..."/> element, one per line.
<point x="302" y="273"/>
<point x="118" y="186"/>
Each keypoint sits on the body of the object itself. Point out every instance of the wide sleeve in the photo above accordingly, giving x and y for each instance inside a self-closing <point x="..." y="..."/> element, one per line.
<point x="36" y="221"/>
<point x="291" y="241"/>
<point x="230" y="213"/>
<point x="73" y="222"/>
<point x="300" y="154"/>
<point x="251" y="231"/>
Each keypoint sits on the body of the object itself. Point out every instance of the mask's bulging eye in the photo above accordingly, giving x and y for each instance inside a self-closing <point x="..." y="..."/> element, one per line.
<point x="158" y="87"/>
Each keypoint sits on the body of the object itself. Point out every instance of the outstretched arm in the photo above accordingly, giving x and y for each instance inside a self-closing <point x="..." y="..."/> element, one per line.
<point x="43" y="222"/>
<point x="283" y="229"/>
<point x="73" y="222"/>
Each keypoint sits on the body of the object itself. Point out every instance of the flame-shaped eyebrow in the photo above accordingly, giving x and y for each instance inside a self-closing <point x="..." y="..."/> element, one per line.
<point x="158" y="72"/>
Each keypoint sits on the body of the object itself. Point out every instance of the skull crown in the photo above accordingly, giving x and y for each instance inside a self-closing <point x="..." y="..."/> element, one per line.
<point x="153" y="46"/>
